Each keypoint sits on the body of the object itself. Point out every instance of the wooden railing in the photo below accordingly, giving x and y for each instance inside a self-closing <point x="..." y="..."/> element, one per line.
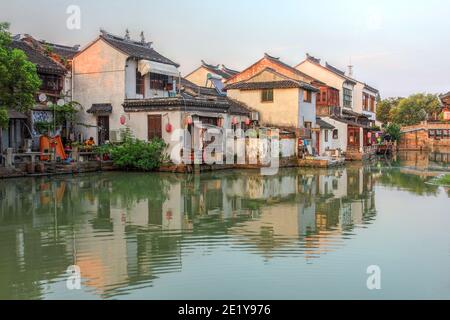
<point x="328" y="111"/>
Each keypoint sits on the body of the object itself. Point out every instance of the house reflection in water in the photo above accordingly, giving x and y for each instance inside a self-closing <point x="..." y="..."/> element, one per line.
<point x="129" y="229"/>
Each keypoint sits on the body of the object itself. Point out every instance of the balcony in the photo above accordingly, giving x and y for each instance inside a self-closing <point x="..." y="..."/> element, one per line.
<point x="328" y="111"/>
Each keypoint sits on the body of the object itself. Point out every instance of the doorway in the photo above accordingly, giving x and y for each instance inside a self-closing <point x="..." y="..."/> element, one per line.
<point x="103" y="129"/>
<point x="353" y="137"/>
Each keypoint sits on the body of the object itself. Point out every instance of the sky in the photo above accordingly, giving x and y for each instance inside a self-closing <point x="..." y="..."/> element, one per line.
<point x="400" y="47"/>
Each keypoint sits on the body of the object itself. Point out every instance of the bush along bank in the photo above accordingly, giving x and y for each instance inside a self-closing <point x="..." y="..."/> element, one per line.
<point x="135" y="154"/>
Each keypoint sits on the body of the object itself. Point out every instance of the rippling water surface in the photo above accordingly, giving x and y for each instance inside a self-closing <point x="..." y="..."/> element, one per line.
<point x="302" y="234"/>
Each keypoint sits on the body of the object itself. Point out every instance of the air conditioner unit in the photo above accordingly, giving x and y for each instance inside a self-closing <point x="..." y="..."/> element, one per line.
<point x="255" y="116"/>
<point x="115" y="136"/>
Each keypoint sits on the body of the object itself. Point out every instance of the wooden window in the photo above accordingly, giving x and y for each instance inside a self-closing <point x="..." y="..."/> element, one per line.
<point x="335" y="134"/>
<point x="324" y="97"/>
<point x="348" y="97"/>
<point x="372" y="104"/>
<point x="160" y="82"/>
<point x="307" y="96"/>
<point x="267" y="95"/>
<point x="51" y="83"/>
<point x="140" y="80"/>
<point x="154" y="126"/>
<point x="326" y="135"/>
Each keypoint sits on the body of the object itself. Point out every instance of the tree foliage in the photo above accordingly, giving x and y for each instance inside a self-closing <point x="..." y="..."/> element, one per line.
<point x="19" y="80"/>
<point x="137" y="154"/>
<point x="384" y="108"/>
<point x="408" y="111"/>
<point x="394" y="131"/>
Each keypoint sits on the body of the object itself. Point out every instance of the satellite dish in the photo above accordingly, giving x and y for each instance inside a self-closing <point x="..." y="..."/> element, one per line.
<point x="61" y="102"/>
<point x="42" y="97"/>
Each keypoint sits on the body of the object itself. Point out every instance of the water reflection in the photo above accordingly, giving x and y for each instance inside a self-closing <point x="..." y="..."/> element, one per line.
<point x="126" y="230"/>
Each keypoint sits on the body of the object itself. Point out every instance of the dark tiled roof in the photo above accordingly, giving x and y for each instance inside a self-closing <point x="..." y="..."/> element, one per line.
<point x="312" y="59"/>
<point x="237" y="107"/>
<point x="176" y="103"/>
<point x="189" y="103"/>
<point x="281" y="84"/>
<point x="445" y="95"/>
<point x="195" y="90"/>
<point x="353" y="113"/>
<point x="229" y="71"/>
<point x="334" y="69"/>
<point x="216" y="70"/>
<point x="339" y="73"/>
<point x="350" y="122"/>
<point x="100" y="108"/>
<point x="367" y="87"/>
<point x="136" y="49"/>
<point x="61" y="50"/>
<point x="277" y="60"/>
<point x="44" y="64"/>
<point x="323" y="124"/>
<point x="13" y="114"/>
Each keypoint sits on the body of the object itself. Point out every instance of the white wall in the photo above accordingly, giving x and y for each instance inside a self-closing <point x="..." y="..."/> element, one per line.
<point x="99" y="77"/>
<point x="138" y="123"/>
<point x="341" y="142"/>
<point x="320" y="73"/>
<point x="326" y="144"/>
<point x="130" y="84"/>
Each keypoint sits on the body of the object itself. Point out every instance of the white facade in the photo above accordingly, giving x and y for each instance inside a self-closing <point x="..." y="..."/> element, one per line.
<point x="99" y="77"/>
<point x="332" y="79"/>
<point x="361" y="90"/>
<point x="341" y="141"/>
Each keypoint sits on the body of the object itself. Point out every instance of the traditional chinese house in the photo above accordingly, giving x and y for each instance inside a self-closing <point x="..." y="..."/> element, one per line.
<point x="52" y="63"/>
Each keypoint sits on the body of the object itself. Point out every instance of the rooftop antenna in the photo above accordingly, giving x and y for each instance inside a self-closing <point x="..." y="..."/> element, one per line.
<point x="127" y="34"/>
<point x="350" y="68"/>
<point x="142" y="37"/>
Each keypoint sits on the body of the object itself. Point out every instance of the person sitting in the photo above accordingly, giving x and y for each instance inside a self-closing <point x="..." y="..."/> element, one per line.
<point x="89" y="143"/>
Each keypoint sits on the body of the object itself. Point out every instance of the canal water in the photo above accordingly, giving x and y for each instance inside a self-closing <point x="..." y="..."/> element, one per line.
<point x="301" y="234"/>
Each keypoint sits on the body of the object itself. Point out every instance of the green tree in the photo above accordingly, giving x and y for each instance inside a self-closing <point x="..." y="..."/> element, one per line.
<point x="19" y="80"/>
<point x="414" y="109"/>
<point x="384" y="108"/>
<point x="4" y="121"/>
<point x="394" y="131"/>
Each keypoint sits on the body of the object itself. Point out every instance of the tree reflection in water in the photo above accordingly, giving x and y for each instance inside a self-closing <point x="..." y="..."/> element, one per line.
<point x="125" y="230"/>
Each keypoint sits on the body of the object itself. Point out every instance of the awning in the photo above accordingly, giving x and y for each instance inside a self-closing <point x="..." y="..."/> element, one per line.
<point x="100" y="108"/>
<point x="146" y="66"/>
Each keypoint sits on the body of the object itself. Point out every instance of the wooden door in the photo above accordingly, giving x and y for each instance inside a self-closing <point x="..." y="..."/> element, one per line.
<point x="154" y="126"/>
<point x="353" y="137"/>
<point x="103" y="129"/>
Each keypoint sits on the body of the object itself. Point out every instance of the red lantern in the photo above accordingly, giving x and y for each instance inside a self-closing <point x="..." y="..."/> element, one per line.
<point x="123" y="119"/>
<point x="189" y="120"/>
<point x="369" y="135"/>
<point x="247" y="121"/>
<point x="234" y="121"/>
<point x="169" y="128"/>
